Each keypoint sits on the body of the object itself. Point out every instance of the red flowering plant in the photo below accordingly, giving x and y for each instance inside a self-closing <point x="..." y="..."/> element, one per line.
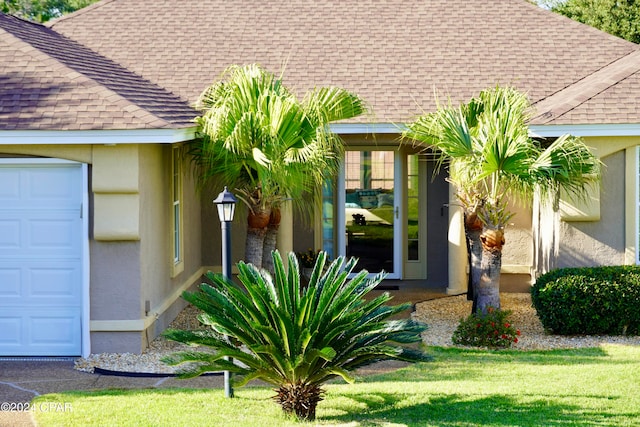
<point x="492" y="330"/>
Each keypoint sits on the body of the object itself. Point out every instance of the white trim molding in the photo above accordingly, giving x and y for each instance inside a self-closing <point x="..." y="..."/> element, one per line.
<point x="585" y="130"/>
<point x="107" y="137"/>
<point x="626" y="129"/>
<point x="367" y="128"/>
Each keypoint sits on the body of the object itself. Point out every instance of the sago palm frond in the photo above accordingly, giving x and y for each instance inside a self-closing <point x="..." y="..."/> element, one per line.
<point x="290" y="335"/>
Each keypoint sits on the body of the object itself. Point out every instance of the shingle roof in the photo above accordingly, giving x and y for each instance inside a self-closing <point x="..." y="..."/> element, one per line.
<point x="396" y="54"/>
<point x="48" y="82"/>
<point x="611" y="91"/>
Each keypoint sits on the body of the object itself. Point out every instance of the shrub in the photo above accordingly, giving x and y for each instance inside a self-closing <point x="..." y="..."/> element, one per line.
<point x="597" y="300"/>
<point x="295" y="337"/>
<point x="492" y="329"/>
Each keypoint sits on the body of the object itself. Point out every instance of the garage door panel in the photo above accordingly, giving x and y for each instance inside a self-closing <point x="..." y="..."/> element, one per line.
<point x="10" y="188"/>
<point x="9" y="234"/>
<point x="11" y="327"/>
<point x="56" y="328"/>
<point x="40" y="259"/>
<point x="42" y="235"/>
<point x="30" y="186"/>
<point x="51" y="332"/>
<point x="10" y="282"/>
<point x="58" y="234"/>
<point x="43" y="283"/>
<point x="53" y="183"/>
<point x="57" y="283"/>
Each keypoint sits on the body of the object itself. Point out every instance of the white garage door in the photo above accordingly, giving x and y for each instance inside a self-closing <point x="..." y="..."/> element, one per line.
<point x="40" y="259"/>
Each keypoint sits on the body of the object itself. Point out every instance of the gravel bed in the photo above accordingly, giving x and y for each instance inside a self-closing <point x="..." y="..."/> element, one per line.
<point x="149" y="361"/>
<point x="442" y="315"/>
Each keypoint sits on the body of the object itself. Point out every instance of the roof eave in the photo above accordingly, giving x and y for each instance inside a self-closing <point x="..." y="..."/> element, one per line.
<point x="109" y="137"/>
<point x="535" y="130"/>
<point x="366" y="128"/>
<point x="550" y="131"/>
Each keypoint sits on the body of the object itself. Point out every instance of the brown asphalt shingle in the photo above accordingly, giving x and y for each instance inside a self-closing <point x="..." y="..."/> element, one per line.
<point x="396" y="54"/>
<point x="48" y="82"/>
<point x="606" y="92"/>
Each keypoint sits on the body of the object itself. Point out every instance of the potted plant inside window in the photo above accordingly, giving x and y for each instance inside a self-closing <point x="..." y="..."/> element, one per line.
<point x="307" y="261"/>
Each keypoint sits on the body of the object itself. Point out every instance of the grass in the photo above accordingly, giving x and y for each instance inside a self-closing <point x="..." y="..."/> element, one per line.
<point x="582" y="387"/>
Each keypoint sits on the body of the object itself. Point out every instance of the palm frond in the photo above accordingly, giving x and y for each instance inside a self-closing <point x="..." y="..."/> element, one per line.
<point x="567" y="164"/>
<point x="255" y="133"/>
<point x="289" y="333"/>
<point x="491" y="159"/>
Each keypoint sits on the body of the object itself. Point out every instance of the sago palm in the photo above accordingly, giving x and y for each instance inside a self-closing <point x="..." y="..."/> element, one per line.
<point x="260" y="140"/>
<point x="292" y="336"/>
<point x="492" y="162"/>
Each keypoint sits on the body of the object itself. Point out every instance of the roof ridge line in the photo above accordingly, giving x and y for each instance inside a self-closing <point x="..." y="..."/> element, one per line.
<point x="80" y="11"/>
<point x="580" y="91"/>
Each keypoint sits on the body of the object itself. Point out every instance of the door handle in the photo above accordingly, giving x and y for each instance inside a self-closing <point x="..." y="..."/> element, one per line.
<point x="397" y="210"/>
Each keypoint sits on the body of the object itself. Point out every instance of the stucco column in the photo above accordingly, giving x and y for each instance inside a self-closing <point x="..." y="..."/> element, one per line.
<point x="285" y="232"/>
<point x="457" y="247"/>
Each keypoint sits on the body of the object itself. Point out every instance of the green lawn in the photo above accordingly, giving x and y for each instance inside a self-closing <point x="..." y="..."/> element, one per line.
<point x="587" y="387"/>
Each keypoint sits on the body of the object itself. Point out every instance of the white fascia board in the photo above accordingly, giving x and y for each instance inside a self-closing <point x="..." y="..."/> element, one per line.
<point x="585" y="130"/>
<point x="366" y="128"/>
<point x="108" y="137"/>
<point x="534" y="130"/>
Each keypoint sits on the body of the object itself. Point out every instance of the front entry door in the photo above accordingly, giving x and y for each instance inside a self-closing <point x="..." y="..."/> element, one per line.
<point x="370" y="195"/>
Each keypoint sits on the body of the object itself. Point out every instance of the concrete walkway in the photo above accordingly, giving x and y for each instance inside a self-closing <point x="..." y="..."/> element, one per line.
<point x="22" y="380"/>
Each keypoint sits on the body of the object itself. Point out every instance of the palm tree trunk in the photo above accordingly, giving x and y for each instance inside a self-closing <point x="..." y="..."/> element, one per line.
<point x="253" y="248"/>
<point x="299" y="399"/>
<point x="270" y="240"/>
<point x="475" y="263"/>
<point x="257" y="222"/>
<point x="473" y="230"/>
<point x="489" y="284"/>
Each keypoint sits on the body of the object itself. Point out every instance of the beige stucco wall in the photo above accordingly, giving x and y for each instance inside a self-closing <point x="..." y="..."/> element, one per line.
<point x="518" y="240"/>
<point x="601" y="231"/>
<point x="517" y="253"/>
<point x="159" y="285"/>
<point x="602" y="242"/>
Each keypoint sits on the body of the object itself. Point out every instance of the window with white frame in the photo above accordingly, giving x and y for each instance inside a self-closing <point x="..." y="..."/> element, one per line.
<point x="176" y="209"/>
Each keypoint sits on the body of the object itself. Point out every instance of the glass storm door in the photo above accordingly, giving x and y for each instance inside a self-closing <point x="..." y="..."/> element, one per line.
<point x="368" y="225"/>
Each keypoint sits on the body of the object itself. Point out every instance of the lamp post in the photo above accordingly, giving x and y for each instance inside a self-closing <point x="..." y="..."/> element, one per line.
<point x="226" y="204"/>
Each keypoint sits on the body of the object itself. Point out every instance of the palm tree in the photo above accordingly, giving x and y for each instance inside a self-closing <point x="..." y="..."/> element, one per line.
<point x="294" y="337"/>
<point x="258" y="138"/>
<point x="492" y="160"/>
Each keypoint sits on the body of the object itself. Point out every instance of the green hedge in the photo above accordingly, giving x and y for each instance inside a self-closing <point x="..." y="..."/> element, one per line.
<point x="597" y="300"/>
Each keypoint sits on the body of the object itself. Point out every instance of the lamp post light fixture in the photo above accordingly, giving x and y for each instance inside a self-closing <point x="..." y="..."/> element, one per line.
<point x="226" y="203"/>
